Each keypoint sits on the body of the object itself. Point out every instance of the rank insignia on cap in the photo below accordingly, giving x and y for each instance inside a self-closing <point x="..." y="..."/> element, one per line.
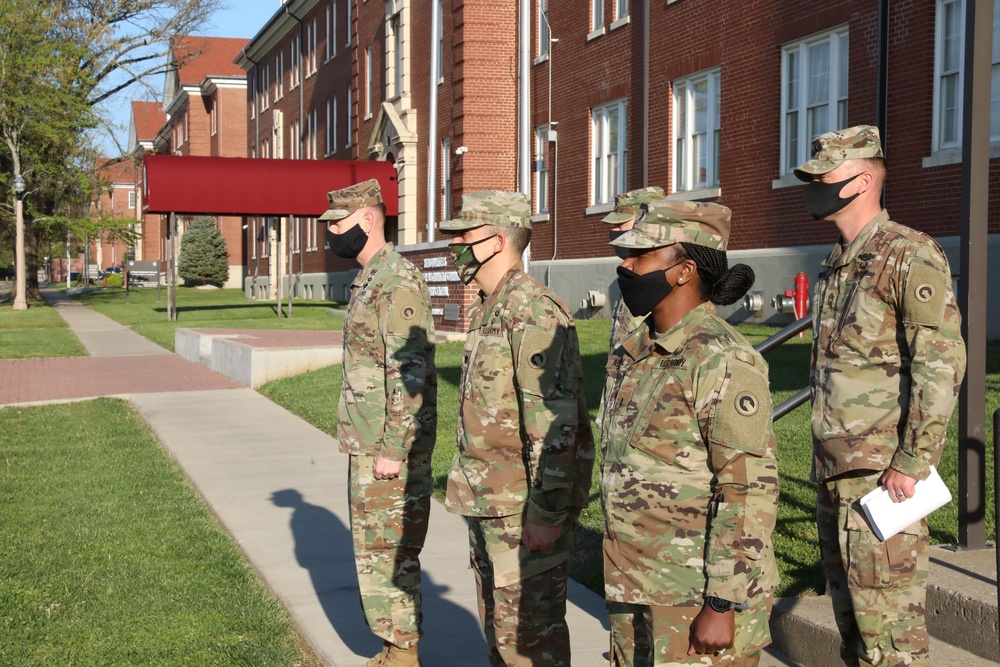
<point x="747" y="404"/>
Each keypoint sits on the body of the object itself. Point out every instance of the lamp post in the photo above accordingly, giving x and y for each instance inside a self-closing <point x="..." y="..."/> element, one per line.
<point x="20" y="301"/>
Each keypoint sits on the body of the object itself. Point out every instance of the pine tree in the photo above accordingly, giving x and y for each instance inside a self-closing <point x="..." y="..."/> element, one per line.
<point x="204" y="258"/>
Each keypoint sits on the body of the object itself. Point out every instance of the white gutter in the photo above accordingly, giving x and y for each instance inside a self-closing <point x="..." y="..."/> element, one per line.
<point x="524" y="105"/>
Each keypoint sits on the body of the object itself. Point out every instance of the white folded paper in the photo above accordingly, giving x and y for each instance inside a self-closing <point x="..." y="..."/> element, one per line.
<point x="888" y="518"/>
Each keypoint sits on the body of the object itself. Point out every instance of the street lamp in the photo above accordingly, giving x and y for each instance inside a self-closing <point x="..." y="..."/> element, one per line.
<point x="20" y="301"/>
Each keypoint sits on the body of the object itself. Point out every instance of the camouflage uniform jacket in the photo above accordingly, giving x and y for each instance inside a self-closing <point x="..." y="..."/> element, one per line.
<point x="623" y="322"/>
<point x="524" y="436"/>
<point x="389" y="391"/>
<point x="888" y="356"/>
<point x="690" y="484"/>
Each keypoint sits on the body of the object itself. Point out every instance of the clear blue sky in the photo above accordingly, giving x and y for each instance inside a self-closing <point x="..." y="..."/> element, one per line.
<point x="242" y="18"/>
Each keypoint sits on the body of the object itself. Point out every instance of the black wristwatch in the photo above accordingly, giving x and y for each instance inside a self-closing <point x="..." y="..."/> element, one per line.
<point x="719" y="605"/>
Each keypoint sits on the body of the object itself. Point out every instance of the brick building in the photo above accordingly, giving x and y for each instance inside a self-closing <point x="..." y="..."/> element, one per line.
<point x="117" y="201"/>
<point x="715" y="100"/>
<point x="202" y="113"/>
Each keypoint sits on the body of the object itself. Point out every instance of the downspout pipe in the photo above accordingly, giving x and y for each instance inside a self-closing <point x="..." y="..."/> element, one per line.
<point x="256" y="152"/>
<point x="432" y="139"/>
<point x="301" y="139"/>
<point x="882" y="75"/>
<point x="524" y="105"/>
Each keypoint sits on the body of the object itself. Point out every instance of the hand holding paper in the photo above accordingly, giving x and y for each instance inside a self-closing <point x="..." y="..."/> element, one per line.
<point x="888" y="518"/>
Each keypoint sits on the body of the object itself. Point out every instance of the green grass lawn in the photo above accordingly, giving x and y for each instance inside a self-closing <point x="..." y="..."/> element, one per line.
<point x="36" y="332"/>
<point x="313" y="396"/>
<point x="146" y="312"/>
<point x="108" y="556"/>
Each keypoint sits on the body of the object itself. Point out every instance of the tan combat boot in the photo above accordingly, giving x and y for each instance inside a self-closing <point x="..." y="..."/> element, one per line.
<point x="379" y="660"/>
<point x="400" y="657"/>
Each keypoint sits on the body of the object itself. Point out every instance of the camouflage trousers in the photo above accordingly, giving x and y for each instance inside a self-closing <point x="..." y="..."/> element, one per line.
<point x="522" y="594"/>
<point x="654" y="636"/>
<point x="878" y="588"/>
<point x="389" y="524"/>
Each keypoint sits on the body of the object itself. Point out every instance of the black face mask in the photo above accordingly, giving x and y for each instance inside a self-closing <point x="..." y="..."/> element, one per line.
<point x="349" y="244"/>
<point x="621" y="252"/>
<point x="642" y="292"/>
<point x="823" y="199"/>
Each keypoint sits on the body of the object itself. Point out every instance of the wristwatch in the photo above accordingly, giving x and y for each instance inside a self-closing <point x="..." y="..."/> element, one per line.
<point x="720" y="605"/>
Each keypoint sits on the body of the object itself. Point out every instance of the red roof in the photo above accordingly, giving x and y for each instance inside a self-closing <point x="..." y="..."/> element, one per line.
<point x="148" y="119"/>
<point x="120" y="172"/>
<point x="201" y="57"/>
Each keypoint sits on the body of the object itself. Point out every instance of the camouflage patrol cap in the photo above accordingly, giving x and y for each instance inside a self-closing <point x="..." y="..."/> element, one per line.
<point x="490" y="207"/>
<point x="832" y="149"/>
<point x="347" y="200"/>
<point x="666" y="222"/>
<point x="627" y="204"/>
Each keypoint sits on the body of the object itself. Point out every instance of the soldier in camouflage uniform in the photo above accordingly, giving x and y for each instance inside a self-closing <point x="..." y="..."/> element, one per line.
<point x="621" y="220"/>
<point x="887" y="362"/>
<point x="386" y="419"/>
<point x="522" y="470"/>
<point x="689" y="481"/>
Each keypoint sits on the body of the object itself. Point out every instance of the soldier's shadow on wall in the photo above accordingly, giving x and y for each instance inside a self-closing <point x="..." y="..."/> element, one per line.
<point x="324" y="547"/>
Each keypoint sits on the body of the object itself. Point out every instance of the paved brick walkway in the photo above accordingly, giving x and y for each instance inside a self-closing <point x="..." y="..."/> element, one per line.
<point x="73" y="378"/>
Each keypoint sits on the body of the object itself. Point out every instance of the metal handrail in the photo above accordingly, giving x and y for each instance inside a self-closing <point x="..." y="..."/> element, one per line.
<point x="771" y="342"/>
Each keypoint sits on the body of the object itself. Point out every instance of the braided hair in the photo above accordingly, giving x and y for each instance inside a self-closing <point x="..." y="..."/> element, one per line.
<point x="720" y="284"/>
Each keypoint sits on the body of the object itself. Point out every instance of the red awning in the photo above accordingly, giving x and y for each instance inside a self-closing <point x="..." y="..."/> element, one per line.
<point x="245" y="186"/>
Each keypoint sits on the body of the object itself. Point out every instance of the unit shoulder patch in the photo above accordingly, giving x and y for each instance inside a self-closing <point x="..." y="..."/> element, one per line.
<point x="539" y="359"/>
<point x="743" y="410"/>
<point x="924" y="293"/>
<point x="404" y="313"/>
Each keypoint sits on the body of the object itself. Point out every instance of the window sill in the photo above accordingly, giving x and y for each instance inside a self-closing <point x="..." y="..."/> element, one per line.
<point x="949" y="156"/>
<point x="620" y="22"/>
<point x="540" y="59"/>
<point x="597" y="32"/>
<point x="696" y="195"/>
<point x="598" y="209"/>
<point x="786" y="181"/>
<point x="368" y="116"/>
<point x="541" y="217"/>
<point x="440" y="80"/>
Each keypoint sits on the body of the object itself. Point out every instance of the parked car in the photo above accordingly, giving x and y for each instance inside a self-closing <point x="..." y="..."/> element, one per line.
<point x="112" y="269"/>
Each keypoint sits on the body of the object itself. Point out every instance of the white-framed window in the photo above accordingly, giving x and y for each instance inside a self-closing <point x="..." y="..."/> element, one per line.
<point x="293" y="134"/>
<point x="311" y="234"/>
<point x="329" y="137"/>
<point x="311" y="46"/>
<point x="187" y="124"/>
<point x="949" y="68"/>
<point x="295" y="235"/>
<point x="621" y="9"/>
<point x="608" y="150"/>
<point x="329" y="36"/>
<point x="596" y="14"/>
<point x="347" y="21"/>
<point x="214" y="117"/>
<point x="313" y="137"/>
<point x="253" y="238"/>
<point x="279" y="75"/>
<point x="543" y="28"/>
<point x="267" y="87"/>
<point x="396" y="25"/>
<point x="253" y="99"/>
<point x="131" y="199"/>
<point x="542" y="169"/>
<point x="295" y="59"/>
<point x="814" y="78"/>
<point x="265" y="238"/>
<point x="333" y="127"/>
<point x="440" y="45"/>
<point x="445" y="179"/>
<point x="368" y="82"/>
<point x="350" y="117"/>
<point x="697" y="99"/>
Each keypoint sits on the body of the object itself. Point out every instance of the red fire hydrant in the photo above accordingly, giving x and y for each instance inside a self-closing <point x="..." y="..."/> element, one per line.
<point x="801" y="297"/>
